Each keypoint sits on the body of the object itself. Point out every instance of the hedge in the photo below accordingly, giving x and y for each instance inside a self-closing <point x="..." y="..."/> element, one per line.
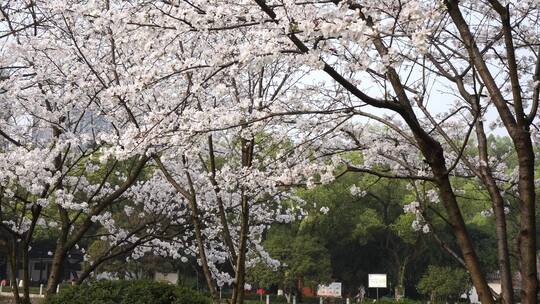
<point x="128" y="292"/>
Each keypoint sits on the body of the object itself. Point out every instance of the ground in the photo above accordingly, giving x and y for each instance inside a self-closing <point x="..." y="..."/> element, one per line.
<point x="9" y="300"/>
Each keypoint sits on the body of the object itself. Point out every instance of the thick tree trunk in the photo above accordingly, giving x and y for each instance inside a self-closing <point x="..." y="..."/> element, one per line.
<point x="527" y="233"/>
<point x="26" y="275"/>
<point x="36" y="212"/>
<point x="59" y="255"/>
<point x="465" y="244"/>
<point x="433" y="153"/>
<point x="298" y="292"/>
<point x="56" y="271"/>
<point x="14" y="269"/>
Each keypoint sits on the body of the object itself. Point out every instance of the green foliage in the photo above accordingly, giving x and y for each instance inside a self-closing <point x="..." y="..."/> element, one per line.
<point x="394" y="301"/>
<point x="402" y="228"/>
<point x="444" y="283"/>
<point x="368" y="223"/>
<point x="128" y="292"/>
<point x="302" y="256"/>
<point x="358" y="235"/>
<point x="311" y="260"/>
<point x="371" y="234"/>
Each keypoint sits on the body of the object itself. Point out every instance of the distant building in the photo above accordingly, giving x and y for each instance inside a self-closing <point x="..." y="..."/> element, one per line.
<point x="473" y="295"/>
<point x="167" y="277"/>
<point x="40" y="263"/>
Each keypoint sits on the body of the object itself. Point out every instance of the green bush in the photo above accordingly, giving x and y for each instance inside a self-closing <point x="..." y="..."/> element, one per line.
<point x="385" y="300"/>
<point x="444" y="283"/>
<point x="128" y="292"/>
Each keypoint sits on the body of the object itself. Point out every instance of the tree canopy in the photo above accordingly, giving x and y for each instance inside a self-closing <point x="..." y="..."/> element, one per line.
<point x="211" y="123"/>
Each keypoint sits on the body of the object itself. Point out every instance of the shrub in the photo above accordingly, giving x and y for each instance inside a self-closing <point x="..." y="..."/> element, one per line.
<point x="128" y="292"/>
<point x="444" y="283"/>
<point x="385" y="300"/>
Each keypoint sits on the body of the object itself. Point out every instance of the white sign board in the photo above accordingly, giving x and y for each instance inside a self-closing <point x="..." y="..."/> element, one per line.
<point x="333" y="290"/>
<point x="377" y="280"/>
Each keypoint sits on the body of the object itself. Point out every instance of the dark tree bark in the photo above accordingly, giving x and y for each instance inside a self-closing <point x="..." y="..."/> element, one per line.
<point x="56" y="266"/>
<point x="460" y="231"/>
<point x="12" y="251"/>
<point x="518" y="126"/>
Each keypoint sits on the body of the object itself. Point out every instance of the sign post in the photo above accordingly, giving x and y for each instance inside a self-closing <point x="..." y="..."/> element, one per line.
<point x="377" y="280"/>
<point x="332" y="291"/>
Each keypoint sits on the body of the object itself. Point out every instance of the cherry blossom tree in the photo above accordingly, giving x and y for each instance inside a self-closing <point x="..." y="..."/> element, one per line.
<point x="242" y="168"/>
<point x="229" y="103"/>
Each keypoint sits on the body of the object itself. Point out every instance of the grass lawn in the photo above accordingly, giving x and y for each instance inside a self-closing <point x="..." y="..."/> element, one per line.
<point x="34" y="289"/>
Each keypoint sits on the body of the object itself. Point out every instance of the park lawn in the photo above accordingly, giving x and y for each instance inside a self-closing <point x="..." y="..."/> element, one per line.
<point x="33" y="290"/>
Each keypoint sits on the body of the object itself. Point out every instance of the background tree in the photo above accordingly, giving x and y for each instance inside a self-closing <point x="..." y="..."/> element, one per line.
<point x="444" y="283"/>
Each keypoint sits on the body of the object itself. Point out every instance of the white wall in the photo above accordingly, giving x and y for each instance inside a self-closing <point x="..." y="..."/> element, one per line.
<point x="166" y="277"/>
<point x="496" y="287"/>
